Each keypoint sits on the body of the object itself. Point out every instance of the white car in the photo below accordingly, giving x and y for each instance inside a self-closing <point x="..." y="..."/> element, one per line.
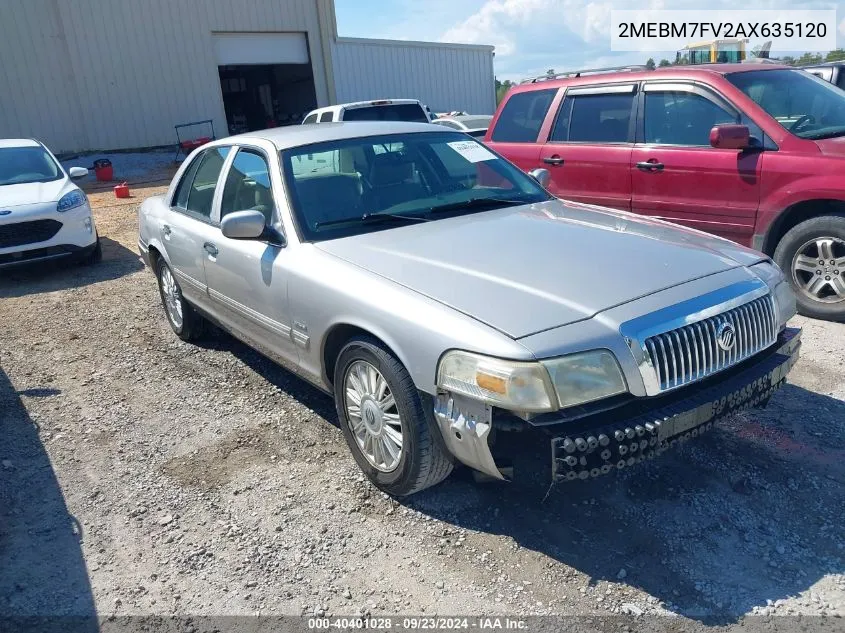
<point x="409" y="110"/>
<point x="43" y="214"/>
<point x="472" y="124"/>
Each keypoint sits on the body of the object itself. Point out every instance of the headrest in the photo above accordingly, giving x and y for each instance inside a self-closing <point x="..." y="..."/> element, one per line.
<point x="390" y="169"/>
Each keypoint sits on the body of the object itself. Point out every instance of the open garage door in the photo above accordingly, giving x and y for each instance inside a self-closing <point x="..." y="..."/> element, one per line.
<point x="266" y="79"/>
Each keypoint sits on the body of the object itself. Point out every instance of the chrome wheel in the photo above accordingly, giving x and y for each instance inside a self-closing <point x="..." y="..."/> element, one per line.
<point x="172" y="297"/>
<point x="818" y="269"/>
<point x="372" y="416"/>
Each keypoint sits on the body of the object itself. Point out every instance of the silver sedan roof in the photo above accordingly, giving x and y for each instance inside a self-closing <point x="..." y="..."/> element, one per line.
<point x="298" y="135"/>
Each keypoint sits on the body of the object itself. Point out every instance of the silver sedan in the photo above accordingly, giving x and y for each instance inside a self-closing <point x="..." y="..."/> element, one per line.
<point x="446" y="300"/>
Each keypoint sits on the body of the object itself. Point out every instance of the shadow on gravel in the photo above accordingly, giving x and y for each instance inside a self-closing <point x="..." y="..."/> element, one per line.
<point x="43" y="572"/>
<point x="118" y="261"/>
<point x="714" y="529"/>
<point x="287" y="381"/>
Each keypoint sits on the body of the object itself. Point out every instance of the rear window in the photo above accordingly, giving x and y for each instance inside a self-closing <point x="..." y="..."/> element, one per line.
<point x="395" y="112"/>
<point x="522" y="116"/>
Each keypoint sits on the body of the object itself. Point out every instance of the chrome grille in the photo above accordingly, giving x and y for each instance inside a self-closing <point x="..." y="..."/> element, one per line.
<point x="692" y="352"/>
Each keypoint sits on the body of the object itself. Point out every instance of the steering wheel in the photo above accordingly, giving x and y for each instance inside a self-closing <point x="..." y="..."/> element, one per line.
<point x="807" y="118"/>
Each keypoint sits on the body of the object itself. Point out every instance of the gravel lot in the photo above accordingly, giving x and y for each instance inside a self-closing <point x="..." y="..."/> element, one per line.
<point x="143" y="475"/>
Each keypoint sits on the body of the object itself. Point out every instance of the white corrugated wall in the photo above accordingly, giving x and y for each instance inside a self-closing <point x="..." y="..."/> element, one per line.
<point x="116" y="74"/>
<point x="443" y="76"/>
<point x="89" y="74"/>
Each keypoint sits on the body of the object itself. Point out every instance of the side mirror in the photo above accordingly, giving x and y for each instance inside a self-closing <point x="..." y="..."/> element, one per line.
<point x="542" y="176"/>
<point x="243" y="225"/>
<point x="77" y="172"/>
<point x="730" y="136"/>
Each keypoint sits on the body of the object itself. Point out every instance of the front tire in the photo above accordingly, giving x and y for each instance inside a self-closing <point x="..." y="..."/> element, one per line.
<point x="812" y="256"/>
<point x="95" y="256"/>
<point x="183" y="319"/>
<point x="393" y="437"/>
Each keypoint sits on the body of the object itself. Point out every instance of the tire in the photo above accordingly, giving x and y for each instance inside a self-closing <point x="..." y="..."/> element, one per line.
<point x="423" y="460"/>
<point x="801" y="240"/>
<point x="95" y="256"/>
<point x="190" y="326"/>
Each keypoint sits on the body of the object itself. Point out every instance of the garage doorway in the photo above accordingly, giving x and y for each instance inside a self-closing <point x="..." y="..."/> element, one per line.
<point x="260" y="96"/>
<point x="266" y="79"/>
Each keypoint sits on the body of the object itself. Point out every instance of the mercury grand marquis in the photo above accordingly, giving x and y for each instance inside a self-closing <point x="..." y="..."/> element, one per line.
<point x="446" y="299"/>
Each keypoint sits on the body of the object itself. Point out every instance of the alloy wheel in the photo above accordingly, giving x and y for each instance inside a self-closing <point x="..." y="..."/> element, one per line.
<point x="372" y="416"/>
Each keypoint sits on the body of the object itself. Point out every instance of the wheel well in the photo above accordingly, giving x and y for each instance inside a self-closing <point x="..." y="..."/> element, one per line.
<point x="796" y="214"/>
<point x="154" y="255"/>
<point x="336" y="338"/>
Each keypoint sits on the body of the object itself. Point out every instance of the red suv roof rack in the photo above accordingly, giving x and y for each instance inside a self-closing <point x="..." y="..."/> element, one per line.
<point x="584" y="71"/>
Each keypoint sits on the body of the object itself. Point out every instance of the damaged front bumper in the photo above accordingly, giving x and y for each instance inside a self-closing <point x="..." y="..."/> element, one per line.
<point x="641" y="429"/>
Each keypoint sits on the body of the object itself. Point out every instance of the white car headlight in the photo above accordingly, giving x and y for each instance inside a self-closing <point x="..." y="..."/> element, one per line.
<point x="547" y="385"/>
<point x="585" y="377"/>
<point x="514" y="385"/>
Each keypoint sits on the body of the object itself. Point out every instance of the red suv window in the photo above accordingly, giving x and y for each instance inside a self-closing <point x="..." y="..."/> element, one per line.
<point x="522" y="116"/>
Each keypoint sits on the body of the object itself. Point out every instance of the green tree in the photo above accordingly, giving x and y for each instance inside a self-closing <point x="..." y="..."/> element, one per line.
<point x="835" y="56"/>
<point x="650" y="63"/>
<point x="808" y="59"/>
<point x="502" y="88"/>
<point x="664" y="62"/>
<point x="789" y="60"/>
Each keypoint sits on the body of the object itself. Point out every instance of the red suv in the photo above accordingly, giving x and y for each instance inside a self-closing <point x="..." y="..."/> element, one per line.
<point x="754" y="153"/>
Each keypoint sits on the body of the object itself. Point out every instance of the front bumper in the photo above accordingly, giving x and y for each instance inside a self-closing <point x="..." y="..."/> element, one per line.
<point x="75" y="238"/>
<point x="600" y="449"/>
<point x="619" y="437"/>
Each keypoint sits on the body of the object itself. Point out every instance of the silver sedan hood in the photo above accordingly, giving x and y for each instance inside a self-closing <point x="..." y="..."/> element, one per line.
<point x="526" y="269"/>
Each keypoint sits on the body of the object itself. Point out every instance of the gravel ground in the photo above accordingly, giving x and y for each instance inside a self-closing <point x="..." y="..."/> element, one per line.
<point x="143" y="475"/>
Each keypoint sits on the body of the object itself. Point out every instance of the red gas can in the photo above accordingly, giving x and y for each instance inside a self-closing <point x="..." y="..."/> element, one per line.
<point x="103" y="170"/>
<point x="121" y="190"/>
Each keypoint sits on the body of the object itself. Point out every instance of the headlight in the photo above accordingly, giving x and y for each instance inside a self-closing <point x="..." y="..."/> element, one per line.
<point x="514" y="385"/>
<point x="71" y="200"/>
<point x="781" y="290"/>
<point x="532" y="386"/>
<point x="585" y="377"/>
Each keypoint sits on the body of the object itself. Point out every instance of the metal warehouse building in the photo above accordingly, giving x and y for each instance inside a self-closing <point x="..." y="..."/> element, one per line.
<point x="93" y="75"/>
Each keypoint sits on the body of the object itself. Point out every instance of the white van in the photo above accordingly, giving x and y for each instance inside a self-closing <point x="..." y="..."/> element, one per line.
<point x="381" y="110"/>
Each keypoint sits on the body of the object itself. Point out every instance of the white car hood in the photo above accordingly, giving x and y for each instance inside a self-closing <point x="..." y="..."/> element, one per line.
<point x="34" y="193"/>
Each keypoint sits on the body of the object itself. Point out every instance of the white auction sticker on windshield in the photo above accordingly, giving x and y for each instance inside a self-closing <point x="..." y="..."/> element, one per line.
<point x="472" y="151"/>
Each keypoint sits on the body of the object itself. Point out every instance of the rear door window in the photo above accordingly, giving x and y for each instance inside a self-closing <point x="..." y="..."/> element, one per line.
<point x="522" y="116"/>
<point x="326" y="117"/>
<point x="594" y="118"/>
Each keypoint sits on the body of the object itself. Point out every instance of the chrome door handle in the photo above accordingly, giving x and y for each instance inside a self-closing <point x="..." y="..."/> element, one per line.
<point x="211" y="249"/>
<point x="553" y="160"/>
<point x="650" y="166"/>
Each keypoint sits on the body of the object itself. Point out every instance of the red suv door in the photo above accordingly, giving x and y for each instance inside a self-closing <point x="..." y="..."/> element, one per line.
<point x="675" y="173"/>
<point x="588" y="152"/>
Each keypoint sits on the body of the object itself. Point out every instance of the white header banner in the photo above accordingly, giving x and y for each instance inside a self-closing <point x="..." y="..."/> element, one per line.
<point x="787" y="30"/>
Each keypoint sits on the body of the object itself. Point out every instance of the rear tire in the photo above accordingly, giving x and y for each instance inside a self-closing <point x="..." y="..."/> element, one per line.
<point x="814" y="252"/>
<point x="422" y="460"/>
<point x="183" y="319"/>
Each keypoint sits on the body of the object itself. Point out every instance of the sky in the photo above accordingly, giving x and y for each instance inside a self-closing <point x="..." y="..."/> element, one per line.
<point x="530" y="36"/>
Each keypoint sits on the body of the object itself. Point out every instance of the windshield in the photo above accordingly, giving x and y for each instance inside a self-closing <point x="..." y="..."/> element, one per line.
<point x="802" y="103"/>
<point x="20" y="165"/>
<point x="412" y="112"/>
<point x="350" y="186"/>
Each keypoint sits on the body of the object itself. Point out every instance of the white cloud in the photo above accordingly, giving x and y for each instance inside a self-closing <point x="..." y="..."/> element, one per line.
<point x="531" y="36"/>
